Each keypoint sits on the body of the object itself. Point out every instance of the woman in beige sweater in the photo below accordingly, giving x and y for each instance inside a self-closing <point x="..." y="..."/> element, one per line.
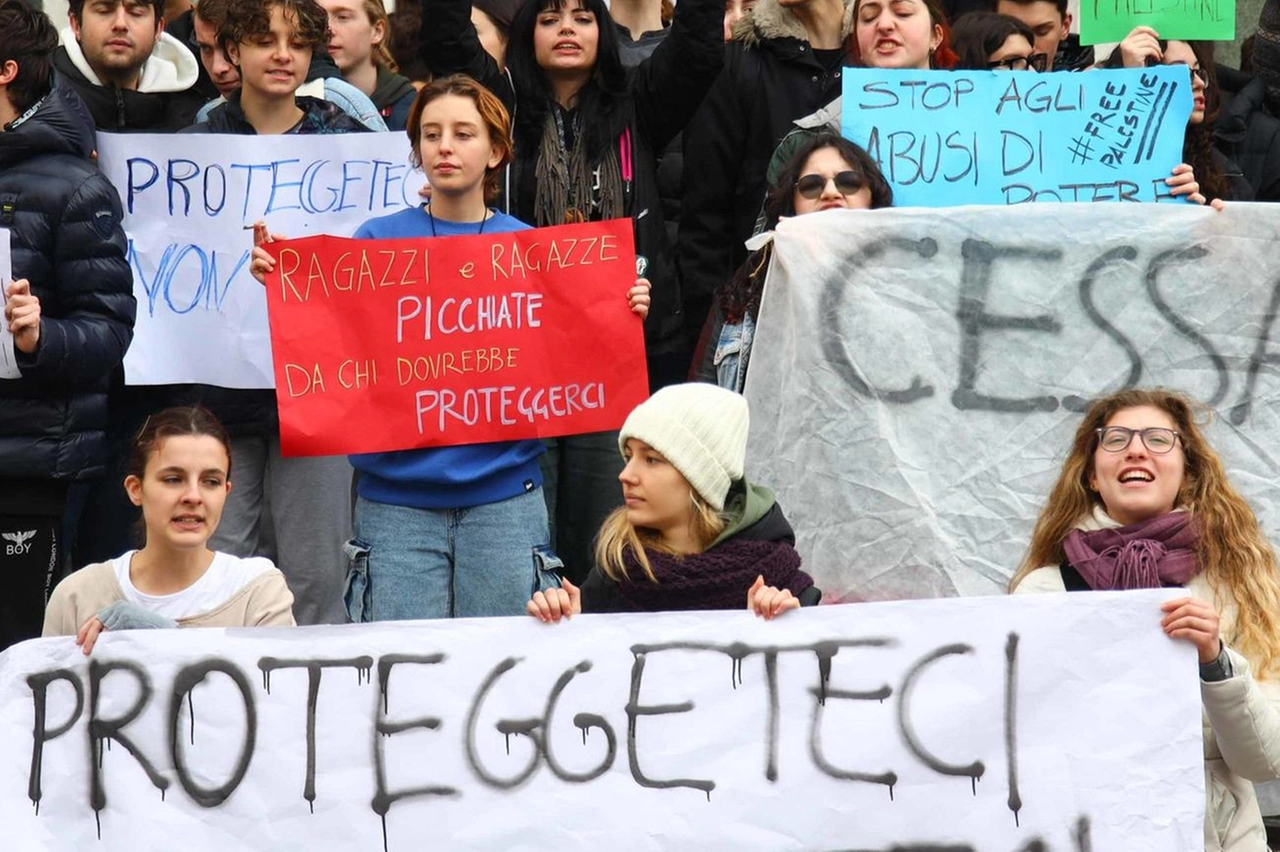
<point x="179" y="474"/>
<point x="1143" y="501"/>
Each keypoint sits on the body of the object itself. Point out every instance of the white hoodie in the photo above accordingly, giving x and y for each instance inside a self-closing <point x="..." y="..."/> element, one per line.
<point x="170" y="68"/>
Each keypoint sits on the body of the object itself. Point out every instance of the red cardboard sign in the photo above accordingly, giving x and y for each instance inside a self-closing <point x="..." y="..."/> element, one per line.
<point x="394" y="344"/>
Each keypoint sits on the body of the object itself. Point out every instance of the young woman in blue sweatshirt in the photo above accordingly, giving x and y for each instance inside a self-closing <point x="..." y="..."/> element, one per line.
<point x="450" y="531"/>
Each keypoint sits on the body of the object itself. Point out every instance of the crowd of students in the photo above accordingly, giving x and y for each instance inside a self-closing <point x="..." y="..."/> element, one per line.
<point x="705" y="125"/>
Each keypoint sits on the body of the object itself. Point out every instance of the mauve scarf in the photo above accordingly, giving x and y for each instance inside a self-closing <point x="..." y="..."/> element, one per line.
<point x="719" y="578"/>
<point x="1146" y="555"/>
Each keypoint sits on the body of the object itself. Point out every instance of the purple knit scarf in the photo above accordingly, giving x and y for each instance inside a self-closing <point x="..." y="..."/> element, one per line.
<point x="716" y="579"/>
<point x="1146" y="555"/>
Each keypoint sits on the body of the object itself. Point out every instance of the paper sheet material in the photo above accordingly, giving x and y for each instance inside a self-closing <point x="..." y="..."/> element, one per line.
<point x="201" y="315"/>
<point x="8" y="356"/>
<point x="917" y="376"/>
<point x="983" y="723"/>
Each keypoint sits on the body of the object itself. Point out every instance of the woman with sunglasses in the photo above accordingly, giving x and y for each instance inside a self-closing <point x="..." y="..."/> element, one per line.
<point x="1143" y="501"/>
<point x="986" y="40"/>
<point x="1219" y="178"/>
<point x="827" y="172"/>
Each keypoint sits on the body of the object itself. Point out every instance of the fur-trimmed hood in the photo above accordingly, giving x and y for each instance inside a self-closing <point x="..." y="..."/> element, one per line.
<point x="768" y="19"/>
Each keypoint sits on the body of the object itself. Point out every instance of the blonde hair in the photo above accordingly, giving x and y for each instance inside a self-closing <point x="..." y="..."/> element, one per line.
<point x="1235" y="557"/>
<point x="377" y="14"/>
<point x="618" y="536"/>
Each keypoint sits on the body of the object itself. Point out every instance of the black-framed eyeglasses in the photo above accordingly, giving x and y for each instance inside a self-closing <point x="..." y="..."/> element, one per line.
<point x="1034" y="62"/>
<point x="813" y="185"/>
<point x="1158" y="440"/>
<point x="1197" y="71"/>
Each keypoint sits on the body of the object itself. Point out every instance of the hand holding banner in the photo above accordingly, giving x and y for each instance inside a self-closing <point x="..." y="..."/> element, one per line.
<point x="396" y="344"/>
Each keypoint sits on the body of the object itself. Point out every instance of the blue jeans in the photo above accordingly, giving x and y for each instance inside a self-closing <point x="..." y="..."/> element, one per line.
<point x="580" y="482"/>
<point x="406" y="563"/>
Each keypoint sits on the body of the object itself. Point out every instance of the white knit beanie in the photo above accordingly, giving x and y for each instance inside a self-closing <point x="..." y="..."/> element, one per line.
<point x="699" y="428"/>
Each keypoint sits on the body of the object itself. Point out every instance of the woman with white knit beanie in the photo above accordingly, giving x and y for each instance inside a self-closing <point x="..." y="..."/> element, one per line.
<point x="693" y="533"/>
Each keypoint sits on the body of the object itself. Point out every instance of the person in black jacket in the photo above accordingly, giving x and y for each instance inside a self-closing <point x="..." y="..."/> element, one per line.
<point x="587" y="135"/>
<point x="694" y="534"/>
<point x="294" y="511"/>
<point x="784" y="63"/>
<point x="69" y="307"/>
<point x="1247" y="132"/>
<point x="151" y="85"/>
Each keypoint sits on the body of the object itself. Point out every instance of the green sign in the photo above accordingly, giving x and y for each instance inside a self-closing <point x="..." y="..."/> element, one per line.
<point x="1112" y="20"/>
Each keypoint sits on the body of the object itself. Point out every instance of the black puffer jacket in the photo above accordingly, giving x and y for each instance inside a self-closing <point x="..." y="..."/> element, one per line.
<point x="1247" y="133"/>
<point x="67" y="239"/>
<point x="770" y="79"/>
<point x="665" y="90"/>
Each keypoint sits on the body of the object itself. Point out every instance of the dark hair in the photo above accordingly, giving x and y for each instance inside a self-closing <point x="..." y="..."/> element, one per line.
<point x="599" y="100"/>
<point x="1198" y="149"/>
<point x="942" y="57"/>
<point x="1060" y="4"/>
<point x="76" y="7"/>
<point x="406" y="21"/>
<point x="27" y="37"/>
<point x="494" y="115"/>
<point x="170" y="423"/>
<point x="212" y="12"/>
<point x="501" y="12"/>
<point x="247" y="18"/>
<point x="741" y="295"/>
<point x="977" y="35"/>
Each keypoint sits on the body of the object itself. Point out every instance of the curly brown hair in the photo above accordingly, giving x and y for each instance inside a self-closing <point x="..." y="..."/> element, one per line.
<point x="1235" y="556"/>
<point x="246" y="19"/>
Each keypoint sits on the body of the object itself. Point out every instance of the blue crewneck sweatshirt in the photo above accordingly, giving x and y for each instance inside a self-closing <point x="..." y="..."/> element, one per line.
<point x="446" y="477"/>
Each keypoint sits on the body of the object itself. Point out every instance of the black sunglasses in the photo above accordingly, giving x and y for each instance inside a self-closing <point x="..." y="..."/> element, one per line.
<point x="1034" y="62"/>
<point x="812" y="186"/>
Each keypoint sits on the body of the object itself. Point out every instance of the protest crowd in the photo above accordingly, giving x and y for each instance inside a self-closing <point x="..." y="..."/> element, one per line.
<point x="706" y="126"/>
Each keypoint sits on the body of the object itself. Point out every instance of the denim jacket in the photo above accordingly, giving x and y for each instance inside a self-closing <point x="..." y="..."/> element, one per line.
<point x="733" y="351"/>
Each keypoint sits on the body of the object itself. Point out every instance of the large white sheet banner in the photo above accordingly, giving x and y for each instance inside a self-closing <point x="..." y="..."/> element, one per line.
<point x="187" y="200"/>
<point x="1064" y="723"/>
<point x="917" y="375"/>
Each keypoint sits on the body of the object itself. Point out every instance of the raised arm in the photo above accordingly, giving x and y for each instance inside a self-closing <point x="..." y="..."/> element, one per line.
<point x="448" y="43"/>
<point x="670" y="84"/>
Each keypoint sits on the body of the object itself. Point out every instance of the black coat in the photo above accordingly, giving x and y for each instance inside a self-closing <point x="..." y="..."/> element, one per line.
<point x="125" y="110"/>
<point x="664" y="92"/>
<point x="67" y="239"/>
<point x="1247" y="133"/>
<point x="770" y="79"/>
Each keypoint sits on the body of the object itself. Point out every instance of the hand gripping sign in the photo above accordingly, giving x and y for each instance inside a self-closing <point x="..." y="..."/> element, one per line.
<point x="394" y="344"/>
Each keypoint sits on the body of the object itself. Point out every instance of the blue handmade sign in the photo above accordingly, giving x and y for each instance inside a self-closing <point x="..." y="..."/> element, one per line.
<point x="945" y="138"/>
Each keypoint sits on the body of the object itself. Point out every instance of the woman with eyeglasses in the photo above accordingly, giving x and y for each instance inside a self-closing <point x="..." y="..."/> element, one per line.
<point x="1219" y="178"/>
<point x="986" y="40"/>
<point x="1143" y="501"/>
<point x="827" y="172"/>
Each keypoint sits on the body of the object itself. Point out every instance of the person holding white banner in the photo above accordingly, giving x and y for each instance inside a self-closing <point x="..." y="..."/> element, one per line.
<point x="1143" y="501"/>
<point x="693" y="534"/>
<point x="180" y="475"/>
<point x="296" y="510"/>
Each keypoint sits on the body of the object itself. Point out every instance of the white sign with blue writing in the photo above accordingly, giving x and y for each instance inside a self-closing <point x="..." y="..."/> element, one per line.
<point x="201" y="315"/>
